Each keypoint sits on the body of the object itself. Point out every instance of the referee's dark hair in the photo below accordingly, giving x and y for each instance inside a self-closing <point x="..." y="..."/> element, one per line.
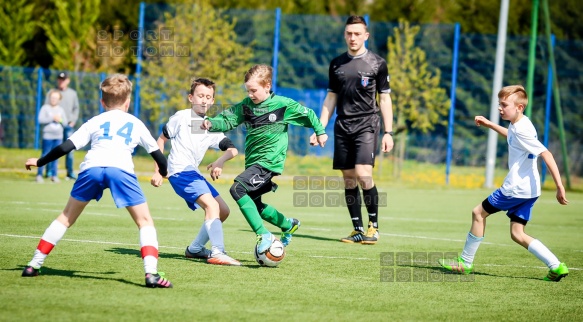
<point x="352" y="20"/>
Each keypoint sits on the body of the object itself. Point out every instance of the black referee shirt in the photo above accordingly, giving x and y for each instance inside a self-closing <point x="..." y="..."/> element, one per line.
<point x="356" y="80"/>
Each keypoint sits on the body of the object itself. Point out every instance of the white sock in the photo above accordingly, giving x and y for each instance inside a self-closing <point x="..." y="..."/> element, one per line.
<point x="544" y="254"/>
<point x="149" y="248"/>
<point x="201" y="239"/>
<point x="214" y="227"/>
<point x="49" y="239"/>
<point x="470" y="248"/>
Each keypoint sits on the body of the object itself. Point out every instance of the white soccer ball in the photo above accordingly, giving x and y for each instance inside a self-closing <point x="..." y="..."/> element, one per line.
<point x="273" y="256"/>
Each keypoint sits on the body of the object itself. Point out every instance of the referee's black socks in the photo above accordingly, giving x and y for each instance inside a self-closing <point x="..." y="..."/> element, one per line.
<point x="354" y="203"/>
<point x="371" y="201"/>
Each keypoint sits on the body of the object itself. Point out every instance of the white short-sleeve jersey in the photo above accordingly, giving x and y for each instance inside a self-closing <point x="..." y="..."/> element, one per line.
<point x="523" y="180"/>
<point x="189" y="142"/>
<point x="113" y="135"/>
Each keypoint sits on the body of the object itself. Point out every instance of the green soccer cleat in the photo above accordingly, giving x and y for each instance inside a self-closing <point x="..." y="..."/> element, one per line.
<point x="456" y="265"/>
<point x="556" y="274"/>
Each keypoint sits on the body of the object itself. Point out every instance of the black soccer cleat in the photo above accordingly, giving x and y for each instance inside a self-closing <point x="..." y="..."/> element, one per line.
<point x="354" y="237"/>
<point x="157" y="280"/>
<point x="30" y="271"/>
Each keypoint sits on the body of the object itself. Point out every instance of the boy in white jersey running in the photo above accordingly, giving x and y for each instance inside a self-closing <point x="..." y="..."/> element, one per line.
<point x="520" y="190"/>
<point x="189" y="144"/>
<point x="108" y="164"/>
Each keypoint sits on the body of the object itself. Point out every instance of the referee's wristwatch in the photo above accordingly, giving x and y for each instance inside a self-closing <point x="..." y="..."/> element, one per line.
<point x="389" y="133"/>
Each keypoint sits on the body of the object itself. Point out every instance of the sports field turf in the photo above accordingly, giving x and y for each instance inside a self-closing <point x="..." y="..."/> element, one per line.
<point x="95" y="273"/>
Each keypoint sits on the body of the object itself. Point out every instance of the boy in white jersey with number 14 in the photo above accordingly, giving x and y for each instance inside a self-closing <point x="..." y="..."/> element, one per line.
<point x="520" y="190"/>
<point x="108" y="164"/>
<point x="189" y="145"/>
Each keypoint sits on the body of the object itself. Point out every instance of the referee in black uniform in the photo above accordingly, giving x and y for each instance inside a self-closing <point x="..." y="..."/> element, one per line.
<point x="355" y="78"/>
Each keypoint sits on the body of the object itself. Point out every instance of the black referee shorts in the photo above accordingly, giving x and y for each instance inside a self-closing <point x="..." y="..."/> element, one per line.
<point x="355" y="141"/>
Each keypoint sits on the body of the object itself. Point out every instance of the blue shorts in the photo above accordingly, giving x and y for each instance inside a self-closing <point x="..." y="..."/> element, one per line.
<point x="190" y="185"/>
<point x="519" y="210"/>
<point x="124" y="186"/>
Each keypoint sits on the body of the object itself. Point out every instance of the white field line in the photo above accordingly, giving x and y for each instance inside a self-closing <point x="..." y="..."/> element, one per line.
<point x="312" y="256"/>
<point x="442" y="239"/>
<point x="91" y="204"/>
<point x="154" y="210"/>
<point x="91" y="213"/>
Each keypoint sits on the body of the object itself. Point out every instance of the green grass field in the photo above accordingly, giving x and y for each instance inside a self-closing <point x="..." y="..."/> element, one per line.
<point x="95" y="273"/>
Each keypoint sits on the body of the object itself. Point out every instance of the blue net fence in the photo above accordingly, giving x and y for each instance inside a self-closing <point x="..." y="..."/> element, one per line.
<point x="24" y="92"/>
<point x="305" y="46"/>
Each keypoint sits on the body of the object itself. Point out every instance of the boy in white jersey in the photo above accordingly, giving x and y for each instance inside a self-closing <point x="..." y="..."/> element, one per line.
<point x="520" y="190"/>
<point x="189" y="144"/>
<point x="108" y="164"/>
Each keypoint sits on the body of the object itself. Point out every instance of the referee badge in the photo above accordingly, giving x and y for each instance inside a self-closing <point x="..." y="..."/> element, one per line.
<point x="364" y="81"/>
<point x="272" y="118"/>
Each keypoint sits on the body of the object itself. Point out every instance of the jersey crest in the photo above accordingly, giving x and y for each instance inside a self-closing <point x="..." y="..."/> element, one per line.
<point x="256" y="121"/>
<point x="364" y="81"/>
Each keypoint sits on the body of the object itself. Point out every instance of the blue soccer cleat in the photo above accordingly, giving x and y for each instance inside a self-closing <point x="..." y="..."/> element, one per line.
<point x="286" y="236"/>
<point x="264" y="241"/>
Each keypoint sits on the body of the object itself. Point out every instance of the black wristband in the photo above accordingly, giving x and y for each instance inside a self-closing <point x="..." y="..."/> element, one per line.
<point x="390" y="133"/>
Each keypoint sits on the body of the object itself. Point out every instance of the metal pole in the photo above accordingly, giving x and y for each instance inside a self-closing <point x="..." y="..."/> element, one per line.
<point x="548" y="111"/>
<point x="532" y="57"/>
<point x="276" y="48"/>
<point x="139" y="63"/>
<point x="367" y="20"/>
<point x="456" y="42"/>
<point x="557" y="94"/>
<point x="102" y="78"/>
<point x="498" y="75"/>
<point x="39" y="93"/>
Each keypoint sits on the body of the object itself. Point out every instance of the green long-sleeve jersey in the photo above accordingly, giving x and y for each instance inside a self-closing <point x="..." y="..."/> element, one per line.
<point x="267" y="122"/>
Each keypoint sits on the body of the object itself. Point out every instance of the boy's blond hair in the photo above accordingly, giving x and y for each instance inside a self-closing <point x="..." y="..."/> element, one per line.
<point x="262" y="73"/>
<point x="520" y="97"/>
<point x="55" y="91"/>
<point x="115" y="90"/>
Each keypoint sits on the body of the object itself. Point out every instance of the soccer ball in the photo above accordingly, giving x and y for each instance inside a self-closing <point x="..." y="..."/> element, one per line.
<point x="273" y="256"/>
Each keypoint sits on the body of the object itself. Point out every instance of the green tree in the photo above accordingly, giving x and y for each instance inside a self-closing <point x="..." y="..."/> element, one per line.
<point x="287" y="6"/>
<point x="420" y="11"/>
<point x="121" y="18"/>
<point x="478" y="16"/>
<point x="419" y="103"/>
<point x="18" y="26"/>
<point x="70" y="32"/>
<point x="202" y="44"/>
